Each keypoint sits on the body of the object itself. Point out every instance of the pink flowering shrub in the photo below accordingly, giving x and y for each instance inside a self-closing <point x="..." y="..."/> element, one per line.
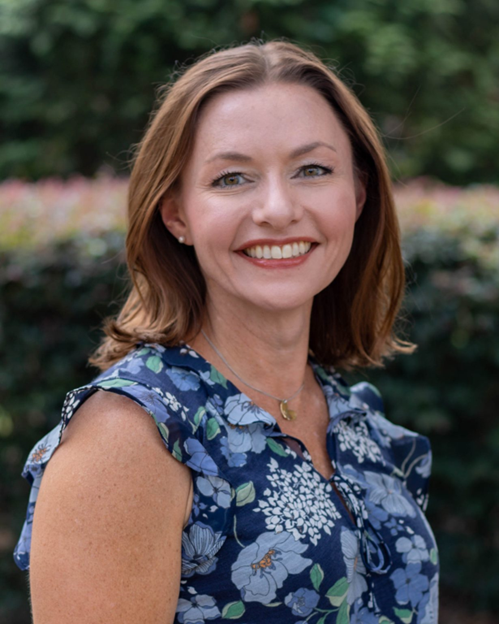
<point x="37" y="214"/>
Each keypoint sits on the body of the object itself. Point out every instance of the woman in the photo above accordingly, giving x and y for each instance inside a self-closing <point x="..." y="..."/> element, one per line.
<point x="263" y="248"/>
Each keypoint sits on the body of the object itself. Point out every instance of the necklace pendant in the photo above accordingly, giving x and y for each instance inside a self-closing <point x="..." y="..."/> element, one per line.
<point x="286" y="413"/>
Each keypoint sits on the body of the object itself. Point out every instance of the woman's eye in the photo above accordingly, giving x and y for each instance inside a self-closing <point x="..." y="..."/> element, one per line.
<point x="228" y="179"/>
<point x="313" y="171"/>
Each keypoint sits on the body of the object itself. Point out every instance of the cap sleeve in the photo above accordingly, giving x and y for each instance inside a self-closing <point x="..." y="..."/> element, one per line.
<point x="407" y="451"/>
<point x="177" y="413"/>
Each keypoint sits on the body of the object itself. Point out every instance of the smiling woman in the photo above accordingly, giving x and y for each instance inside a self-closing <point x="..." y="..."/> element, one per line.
<point x="263" y="250"/>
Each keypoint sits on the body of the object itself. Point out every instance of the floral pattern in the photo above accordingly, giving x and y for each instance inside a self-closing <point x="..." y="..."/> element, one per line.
<point x="269" y="538"/>
<point x="309" y="514"/>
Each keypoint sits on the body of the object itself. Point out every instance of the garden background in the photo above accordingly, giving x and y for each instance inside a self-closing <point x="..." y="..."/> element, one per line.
<point x="77" y="81"/>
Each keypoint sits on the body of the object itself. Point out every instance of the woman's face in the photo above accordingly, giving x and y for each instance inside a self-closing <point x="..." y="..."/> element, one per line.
<point x="270" y="174"/>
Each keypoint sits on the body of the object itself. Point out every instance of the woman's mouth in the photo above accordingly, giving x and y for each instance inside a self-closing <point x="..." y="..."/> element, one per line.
<point x="276" y="252"/>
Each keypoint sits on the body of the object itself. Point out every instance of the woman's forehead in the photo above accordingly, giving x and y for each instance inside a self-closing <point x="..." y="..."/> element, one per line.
<point x="276" y="114"/>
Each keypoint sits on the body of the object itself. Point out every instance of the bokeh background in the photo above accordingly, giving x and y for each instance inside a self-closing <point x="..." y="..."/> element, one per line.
<point x="78" y="79"/>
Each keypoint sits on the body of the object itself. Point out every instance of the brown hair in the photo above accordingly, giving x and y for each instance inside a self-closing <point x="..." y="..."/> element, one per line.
<point x="352" y="319"/>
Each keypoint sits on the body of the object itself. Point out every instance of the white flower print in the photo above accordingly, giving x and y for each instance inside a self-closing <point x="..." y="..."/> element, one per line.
<point x="355" y="437"/>
<point x="298" y="502"/>
<point x="70" y="405"/>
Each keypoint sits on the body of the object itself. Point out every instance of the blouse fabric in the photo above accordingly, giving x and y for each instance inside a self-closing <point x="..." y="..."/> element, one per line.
<point x="269" y="538"/>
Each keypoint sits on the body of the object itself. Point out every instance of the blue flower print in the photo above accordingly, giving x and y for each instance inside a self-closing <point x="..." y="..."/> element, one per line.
<point x="356" y="570"/>
<point x="410" y="584"/>
<point x="235" y="460"/>
<point x="216" y="488"/>
<point x="262" y="567"/>
<point x="302" y="602"/>
<point x="241" y="411"/>
<point x="428" y="608"/>
<point x="183" y="379"/>
<point x="197" y="610"/>
<point x="199" y="461"/>
<point x="377" y="515"/>
<point x="133" y="365"/>
<point x="362" y="615"/>
<point x="215" y="406"/>
<point x="248" y="438"/>
<point x="240" y="440"/>
<point x="199" y="547"/>
<point x="414" y="549"/>
<point x="387" y="491"/>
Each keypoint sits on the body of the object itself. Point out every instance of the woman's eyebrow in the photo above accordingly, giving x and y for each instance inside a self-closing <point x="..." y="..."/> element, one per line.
<point x="299" y="151"/>
<point x="304" y="149"/>
<point x="230" y="156"/>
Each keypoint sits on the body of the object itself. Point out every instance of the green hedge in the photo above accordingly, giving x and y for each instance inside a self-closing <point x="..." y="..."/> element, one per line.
<point x="77" y="77"/>
<point x="54" y="294"/>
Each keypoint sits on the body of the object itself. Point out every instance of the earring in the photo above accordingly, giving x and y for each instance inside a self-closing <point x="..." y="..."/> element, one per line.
<point x="181" y="239"/>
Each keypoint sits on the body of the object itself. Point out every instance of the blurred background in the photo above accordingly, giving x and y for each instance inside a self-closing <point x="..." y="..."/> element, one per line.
<point x="78" y="79"/>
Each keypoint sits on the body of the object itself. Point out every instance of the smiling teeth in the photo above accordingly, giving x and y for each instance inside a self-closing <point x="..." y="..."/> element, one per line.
<point x="277" y="253"/>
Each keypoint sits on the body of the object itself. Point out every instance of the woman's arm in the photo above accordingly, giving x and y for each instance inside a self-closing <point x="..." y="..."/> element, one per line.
<point x="106" y="544"/>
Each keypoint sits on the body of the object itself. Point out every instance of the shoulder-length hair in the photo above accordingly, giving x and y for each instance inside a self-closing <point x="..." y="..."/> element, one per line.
<point x="352" y="323"/>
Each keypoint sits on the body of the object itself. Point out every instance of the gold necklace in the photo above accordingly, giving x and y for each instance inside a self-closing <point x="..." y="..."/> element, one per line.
<point x="286" y="412"/>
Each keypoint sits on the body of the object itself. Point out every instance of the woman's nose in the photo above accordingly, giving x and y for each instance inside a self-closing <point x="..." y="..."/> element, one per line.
<point x="278" y="206"/>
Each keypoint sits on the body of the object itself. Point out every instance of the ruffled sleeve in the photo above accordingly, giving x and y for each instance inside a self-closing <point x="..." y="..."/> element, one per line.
<point x="174" y="398"/>
<point x="408" y="452"/>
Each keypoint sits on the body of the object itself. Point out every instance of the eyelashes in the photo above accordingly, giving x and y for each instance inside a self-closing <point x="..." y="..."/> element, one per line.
<point x="226" y="174"/>
<point x="218" y="182"/>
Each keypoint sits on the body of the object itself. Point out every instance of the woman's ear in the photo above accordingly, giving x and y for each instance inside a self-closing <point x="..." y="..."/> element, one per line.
<point x="171" y="215"/>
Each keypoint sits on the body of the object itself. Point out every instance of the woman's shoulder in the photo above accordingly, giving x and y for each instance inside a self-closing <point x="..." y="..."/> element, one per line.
<point x="166" y="382"/>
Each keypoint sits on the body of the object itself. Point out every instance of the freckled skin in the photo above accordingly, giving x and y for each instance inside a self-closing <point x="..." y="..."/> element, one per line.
<point x="107" y="549"/>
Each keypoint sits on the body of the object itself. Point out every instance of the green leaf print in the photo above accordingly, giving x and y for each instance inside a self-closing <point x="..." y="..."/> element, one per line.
<point x="343" y="613"/>
<point x="233" y="610"/>
<point x="434" y="556"/>
<point x="199" y="415"/>
<point x="154" y="363"/>
<point x="384" y="620"/>
<point x="164" y="430"/>
<point x="212" y="428"/>
<point x="218" y="377"/>
<point x="177" y="453"/>
<point x="337" y="593"/>
<point x="277" y="448"/>
<point x="245" y="494"/>
<point x="404" y="614"/>
<point x="116" y="383"/>
<point x="316" y="576"/>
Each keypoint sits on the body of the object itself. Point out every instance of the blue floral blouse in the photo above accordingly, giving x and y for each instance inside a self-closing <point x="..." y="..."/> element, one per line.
<point x="269" y="538"/>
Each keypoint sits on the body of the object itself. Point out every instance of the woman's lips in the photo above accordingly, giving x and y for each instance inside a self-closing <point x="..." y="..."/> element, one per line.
<point x="283" y="263"/>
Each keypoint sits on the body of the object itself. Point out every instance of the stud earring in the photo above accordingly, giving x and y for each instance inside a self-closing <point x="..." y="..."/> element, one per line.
<point x="181" y="239"/>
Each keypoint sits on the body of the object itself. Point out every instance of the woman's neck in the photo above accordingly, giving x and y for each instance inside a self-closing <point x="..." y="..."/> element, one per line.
<point x="267" y="350"/>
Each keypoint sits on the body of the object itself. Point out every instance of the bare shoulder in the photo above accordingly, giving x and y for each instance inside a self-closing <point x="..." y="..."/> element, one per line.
<point x="107" y="529"/>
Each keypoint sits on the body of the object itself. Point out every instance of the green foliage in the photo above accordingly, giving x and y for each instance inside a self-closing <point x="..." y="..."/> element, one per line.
<point x="53" y="296"/>
<point x="78" y="77"/>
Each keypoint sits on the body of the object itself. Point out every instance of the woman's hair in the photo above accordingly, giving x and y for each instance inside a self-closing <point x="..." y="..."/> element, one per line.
<point x="352" y="323"/>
